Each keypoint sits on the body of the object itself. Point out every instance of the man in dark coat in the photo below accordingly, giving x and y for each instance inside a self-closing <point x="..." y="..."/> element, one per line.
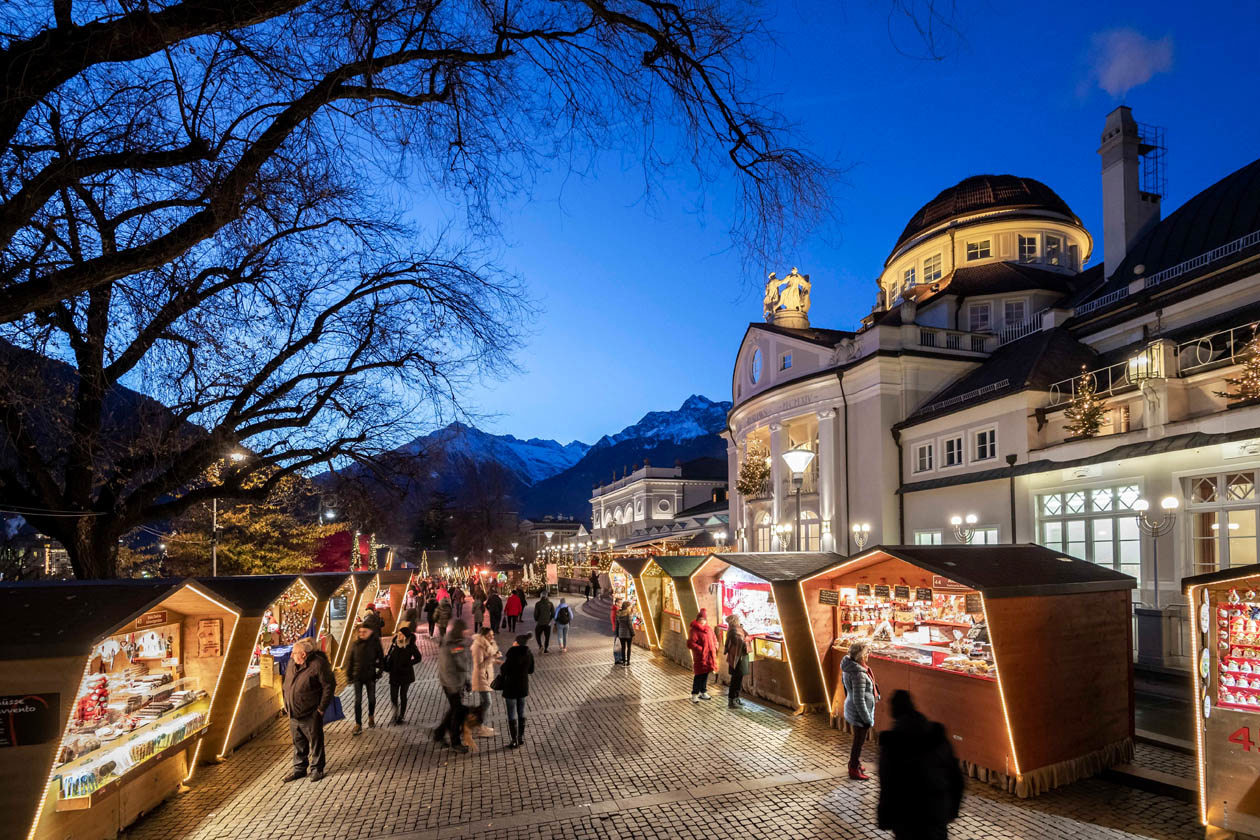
<point x="373" y="621"/>
<point x="595" y="584"/>
<point x="920" y="782"/>
<point x="307" y="690"/>
<point x="544" y="613"/>
<point x="494" y="606"/>
<point x="364" y="664"/>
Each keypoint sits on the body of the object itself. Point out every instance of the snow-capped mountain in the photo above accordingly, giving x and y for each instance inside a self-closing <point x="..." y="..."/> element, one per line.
<point x="529" y="460"/>
<point x="696" y="417"/>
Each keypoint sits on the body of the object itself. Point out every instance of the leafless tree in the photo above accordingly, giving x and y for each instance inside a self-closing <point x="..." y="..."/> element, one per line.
<point x="202" y="246"/>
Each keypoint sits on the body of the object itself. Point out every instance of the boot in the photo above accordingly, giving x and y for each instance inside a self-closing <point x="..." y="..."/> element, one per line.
<point x="512" y="731"/>
<point x="358" y="730"/>
<point x="371" y="722"/>
<point x="520" y="732"/>
<point x="858" y="774"/>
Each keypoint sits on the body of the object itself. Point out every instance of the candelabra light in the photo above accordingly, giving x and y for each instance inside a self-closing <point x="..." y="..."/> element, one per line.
<point x="1156" y="528"/>
<point x="964" y="528"/>
<point x="861" y="534"/>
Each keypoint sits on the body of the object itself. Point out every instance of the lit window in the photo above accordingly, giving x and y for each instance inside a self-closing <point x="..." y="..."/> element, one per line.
<point x="1054" y="250"/>
<point x="923" y="458"/>
<point x="986" y="444"/>
<point x="1224" y="513"/>
<point x="979" y="317"/>
<point x="932" y="269"/>
<point x="1014" y="312"/>
<point x="978" y="250"/>
<point x="785" y="362"/>
<point x="1027" y="248"/>
<point x="1095" y="525"/>
<point x="985" y="536"/>
<point x="953" y="452"/>
<point x="907" y="277"/>
<point x="927" y="537"/>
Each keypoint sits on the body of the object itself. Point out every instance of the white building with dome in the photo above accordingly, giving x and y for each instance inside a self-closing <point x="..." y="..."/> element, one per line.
<point x="948" y="400"/>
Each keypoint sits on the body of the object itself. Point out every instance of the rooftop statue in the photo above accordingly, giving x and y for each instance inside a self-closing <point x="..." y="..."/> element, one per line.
<point x="789" y="296"/>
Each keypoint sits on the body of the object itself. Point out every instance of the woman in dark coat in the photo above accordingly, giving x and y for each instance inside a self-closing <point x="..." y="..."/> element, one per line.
<point x="399" y="664"/>
<point x="494" y="606"/>
<point x="430" y="610"/>
<point x="920" y="782"/>
<point x="517" y="665"/>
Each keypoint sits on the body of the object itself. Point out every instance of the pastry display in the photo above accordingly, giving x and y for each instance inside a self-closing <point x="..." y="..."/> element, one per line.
<point x="1238" y="677"/>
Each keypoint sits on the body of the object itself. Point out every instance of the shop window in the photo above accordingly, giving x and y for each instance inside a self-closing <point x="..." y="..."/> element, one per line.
<point x="923" y="458"/>
<point x="978" y="250"/>
<point x="952" y="452"/>
<point x="979" y="317"/>
<point x="1223" y="512"/>
<point x="1014" y="312"/>
<point x="907" y="277"/>
<point x="749" y="597"/>
<point x="928" y="537"/>
<point x="986" y="444"/>
<point x="1097" y="525"/>
<point x="669" y="597"/>
<point x="932" y="269"/>
<point x="1027" y="248"/>
<point x="785" y="361"/>
<point x="811" y="531"/>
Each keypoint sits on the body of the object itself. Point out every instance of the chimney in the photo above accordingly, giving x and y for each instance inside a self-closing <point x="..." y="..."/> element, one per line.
<point x="719" y="494"/>
<point x="1128" y="210"/>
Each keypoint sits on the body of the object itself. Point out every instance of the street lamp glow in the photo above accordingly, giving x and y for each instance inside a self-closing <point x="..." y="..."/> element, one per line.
<point x="798" y="459"/>
<point x="330" y="514"/>
<point x="1141" y="505"/>
<point x="1170" y="503"/>
<point x="237" y="456"/>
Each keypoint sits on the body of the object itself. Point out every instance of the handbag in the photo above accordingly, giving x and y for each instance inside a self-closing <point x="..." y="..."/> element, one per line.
<point x="497" y="683"/>
<point x="334" y="712"/>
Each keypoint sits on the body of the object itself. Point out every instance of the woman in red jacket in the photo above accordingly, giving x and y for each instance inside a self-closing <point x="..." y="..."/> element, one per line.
<point x="703" y="646"/>
<point x="513" y="610"/>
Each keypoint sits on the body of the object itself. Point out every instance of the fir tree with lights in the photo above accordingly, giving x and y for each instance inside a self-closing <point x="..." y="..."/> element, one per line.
<point x="1085" y="412"/>
<point x="754" y="469"/>
<point x="1246" y="386"/>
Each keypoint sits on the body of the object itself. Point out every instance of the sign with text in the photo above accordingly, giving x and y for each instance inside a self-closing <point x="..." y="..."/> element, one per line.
<point x="881" y="592"/>
<point x="27" y="719"/>
<point x="209" y="637"/>
<point x="974" y="604"/>
<point x="864" y="589"/>
<point x="901" y="593"/>
<point x="921" y="594"/>
<point x="939" y="582"/>
<point x="152" y="619"/>
<point x="829" y="596"/>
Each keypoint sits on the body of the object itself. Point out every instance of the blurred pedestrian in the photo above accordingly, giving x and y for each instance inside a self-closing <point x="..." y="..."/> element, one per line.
<point x="595" y="585"/>
<point x="485" y="654"/>
<point x="860" y="695"/>
<point x="624" y="627"/>
<point x="307" y="689"/>
<point x="478" y="611"/>
<point x="544" y="614"/>
<point x="703" y="646"/>
<point x="512" y="609"/>
<point x="443" y="616"/>
<point x="564" y="615"/>
<point x="494" y="606"/>
<point x="373" y="621"/>
<point x="430" y="611"/>
<point x="454" y="675"/>
<point x="736" y="650"/>
<point x="920" y="782"/>
<point x="400" y="662"/>
<point x="518" y="664"/>
<point x="364" y="665"/>
<point x="457" y="601"/>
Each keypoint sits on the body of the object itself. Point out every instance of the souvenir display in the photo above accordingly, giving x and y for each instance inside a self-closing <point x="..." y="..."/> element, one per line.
<point x="1238" y="637"/>
<point x="284" y="622"/>
<point x="669" y="597"/>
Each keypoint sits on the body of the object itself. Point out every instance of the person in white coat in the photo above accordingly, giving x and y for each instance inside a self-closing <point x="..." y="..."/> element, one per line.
<point x="485" y="653"/>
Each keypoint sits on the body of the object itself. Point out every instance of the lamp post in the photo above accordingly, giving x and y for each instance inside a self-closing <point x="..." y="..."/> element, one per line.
<point x="720" y="537"/>
<point x="798" y="460"/>
<point x="1156" y="528"/>
<point x="784" y="531"/>
<point x="964" y="529"/>
<point x="514" y="545"/>
<point x="861" y="533"/>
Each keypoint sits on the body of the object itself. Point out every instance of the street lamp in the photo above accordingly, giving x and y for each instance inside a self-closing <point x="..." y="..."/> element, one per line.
<point x="514" y="545"/>
<point x="861" y="533"/>
<point x="1156" y="529"/>
<point x="784" y="531"/>
<point x="720" y="536"/>
<point x="964" y="533"/>
<point x="798" y="460"/>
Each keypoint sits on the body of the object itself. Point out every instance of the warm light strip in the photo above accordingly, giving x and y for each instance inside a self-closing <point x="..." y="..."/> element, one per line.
<point x="240" y="694"/>
<point x="1196" y="704"/>
<point x="645" y="604"/>
<point x="236" y="623"/>
<point x="352" y="610"/>
<point x="52" y="769"/>
<point x="1010" y="736"/>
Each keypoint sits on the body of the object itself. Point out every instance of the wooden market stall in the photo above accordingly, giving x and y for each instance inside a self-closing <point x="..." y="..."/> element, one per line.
<point x="1021" y="652"/>
<point x="276" y="611"/>
<point x="391" y="589"/>
<point x="626" y="577"/>
<point x="365" y="587"/>
<point x="327" y="587"/>
<point x="678" y="603"/>
<point x="108" y="690"/>
<point x="1225" y="644"/>
<point x="763" y="589"/>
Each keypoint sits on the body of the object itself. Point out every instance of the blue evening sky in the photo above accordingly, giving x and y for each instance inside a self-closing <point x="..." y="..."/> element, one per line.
<point x="643" y="302"/>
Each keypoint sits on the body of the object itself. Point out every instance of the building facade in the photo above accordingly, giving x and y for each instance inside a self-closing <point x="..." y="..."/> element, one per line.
<point x="646" y="501"/>
<point x="953" y="397"/>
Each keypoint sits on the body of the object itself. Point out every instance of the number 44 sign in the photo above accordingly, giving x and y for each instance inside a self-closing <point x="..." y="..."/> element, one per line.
<point x="1242" y="737"/>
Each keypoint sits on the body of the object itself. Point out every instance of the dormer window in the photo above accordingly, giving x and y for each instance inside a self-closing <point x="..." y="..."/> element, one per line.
<point x="1054" y="250"/>
<point x="1027" y="248"/>
<point x="932" y="269"/>
<point x="979" y="250"/>
<point x="907" y="277"/>
<point x="1015" y="311"/>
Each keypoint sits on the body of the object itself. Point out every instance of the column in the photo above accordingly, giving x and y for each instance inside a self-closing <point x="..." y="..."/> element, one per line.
<point x="778" y="445"/>
<point x="734" y="503"/>
<point x="831" y="538"/>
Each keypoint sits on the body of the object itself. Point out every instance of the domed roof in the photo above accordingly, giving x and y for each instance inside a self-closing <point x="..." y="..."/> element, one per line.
<point x="983" y="192"/>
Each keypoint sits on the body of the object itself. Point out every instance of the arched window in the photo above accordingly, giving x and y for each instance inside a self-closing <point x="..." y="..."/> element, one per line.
<point x="762" y="533"/>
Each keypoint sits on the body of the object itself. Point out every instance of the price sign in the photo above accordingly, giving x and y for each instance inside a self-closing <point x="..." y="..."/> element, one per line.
<point x="973" y="604"/>
<point x="864" y="589"/>
<point x="152" y="619"/>
<point x="881" y="592"/>
<point x="829" y="596"/>
<point x="901" y="593"/>
<point x="922" y="594"/>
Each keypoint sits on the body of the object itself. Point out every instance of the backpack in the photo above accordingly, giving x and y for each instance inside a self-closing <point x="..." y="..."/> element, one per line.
<point x="563" y="615"/>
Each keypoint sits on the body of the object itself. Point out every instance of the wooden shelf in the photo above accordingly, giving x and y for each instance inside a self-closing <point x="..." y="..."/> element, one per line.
<point x="82" y="803"/>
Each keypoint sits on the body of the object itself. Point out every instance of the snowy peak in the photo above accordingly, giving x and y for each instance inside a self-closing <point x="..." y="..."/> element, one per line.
<point x="530" y="460"/>
<point x="696" y="417"/>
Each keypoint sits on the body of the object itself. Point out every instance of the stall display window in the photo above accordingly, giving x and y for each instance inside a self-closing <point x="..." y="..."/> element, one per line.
<point x="669" y="597"/>
<point x="285" y="621"/>
<point x="939" y="627"/>
<point x="381" y="601"/>
<point x="623" y="590"/>
<point x="1238" y="634"/>
<point x="339" y="610"/>
<point x="133" y="704"/>
<point x="751" y="598"/>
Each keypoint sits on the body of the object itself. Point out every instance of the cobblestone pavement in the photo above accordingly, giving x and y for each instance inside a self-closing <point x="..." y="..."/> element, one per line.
<point x="611" y="753"/>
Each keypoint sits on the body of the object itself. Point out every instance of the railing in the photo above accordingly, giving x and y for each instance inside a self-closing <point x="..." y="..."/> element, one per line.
<point x="955" y="340"/>
<point x="766" y="491"/>
<point x="1105" y="300"/>
<point x="1107" y="381"/>
<point x="1216" y="350"/>
<point x="809" y="483"/>
<point x="1018" y="331"/>
<point x="970" y="395"/>
<point x="1191" y="264"/>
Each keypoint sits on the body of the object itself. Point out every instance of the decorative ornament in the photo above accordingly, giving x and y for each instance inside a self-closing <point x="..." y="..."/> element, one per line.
<point x="754" y="469"/>
<point x="1085" y="412"/>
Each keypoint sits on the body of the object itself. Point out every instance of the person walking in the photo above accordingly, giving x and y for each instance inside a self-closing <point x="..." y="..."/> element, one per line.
<point x="623" y="629"/>
<point x="364" y="665"/>
<point x="485" y="654"/>
<point x="478" y="612"/>
<point x="430" y="612"/>
<point x="307" y="691"/>
<point x="920" y="782"/>
<point x="703" y="646"/>
<point x="373" y="621"/>
<point x="518" y="664"/>
<point x="860" y="696"/>
<point x="587" y="590"/>
<point x="400" y="663"/>
<point x="544" y="614"/>
<point x="736" y="650"/>
<point x="454" y="673"/>
<point x="443" y="616"/>
<point x="494" y="606"/>
<point x="513" y="609"/>
<point x="457" y="601"/>
<point x="595" y="585"/>
<point x="564" y="615"/>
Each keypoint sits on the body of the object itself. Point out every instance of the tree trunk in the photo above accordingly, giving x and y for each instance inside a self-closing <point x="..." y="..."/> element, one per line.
<point x="93" y="548"/>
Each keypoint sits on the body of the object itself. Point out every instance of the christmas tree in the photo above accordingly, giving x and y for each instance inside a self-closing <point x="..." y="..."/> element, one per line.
<point x="1085" y="412"/>
<point x="754" y="469"/>
<point x="1246" y="386"/>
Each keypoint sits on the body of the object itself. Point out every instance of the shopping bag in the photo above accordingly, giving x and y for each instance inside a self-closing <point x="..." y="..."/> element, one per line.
<point x="617" y="657"/>
<point x="334" y="712"/>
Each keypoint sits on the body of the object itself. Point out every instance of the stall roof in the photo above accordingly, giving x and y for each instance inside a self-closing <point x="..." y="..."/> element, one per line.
<point x="1005" y="571"/>
<point x="251" y="594"/>
<point x="324" y="584"/>
<point x="679" y="565"/>
<point x="633" y="565"/>
<point x="782" y="565"/>
<point x="395" y="575"/>
<point x="66" y="618"/>
<point x="362" y="579"/>
<point x="1234" y="573"/>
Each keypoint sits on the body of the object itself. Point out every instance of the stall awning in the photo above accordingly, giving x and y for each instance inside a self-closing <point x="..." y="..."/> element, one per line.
<point x="782" y="565"/>
<point x="1002" y="571"/>
<point x="251" y="594"/>
<point x="1232" y="573"/>
<point x="633" y="565"/>
<point x="49" y="620"/>
<point x="389" y="576"/>
<point x="676" y="565"/>
<point x="324" y="584"/>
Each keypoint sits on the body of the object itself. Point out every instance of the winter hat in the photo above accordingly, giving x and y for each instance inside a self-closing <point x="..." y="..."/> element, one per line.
<point x="704" y="613"/>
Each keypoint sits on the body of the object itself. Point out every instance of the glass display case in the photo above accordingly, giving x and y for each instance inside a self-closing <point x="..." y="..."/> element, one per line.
<point x="284" y="622"/>
<point x="669" y="597"/>
<point x="752" y="599"/>
<point x="1238" y="642"/>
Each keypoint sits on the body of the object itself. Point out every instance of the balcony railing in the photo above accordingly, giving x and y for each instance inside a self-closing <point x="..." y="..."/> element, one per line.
<point x="1018" y="331"/>
<point x="956" y="340"/>
<point x="1216" y="350"/>
<point x="1107" y="381"/>
<point x="766" y="491"/>
<point x="1191" y="264"/>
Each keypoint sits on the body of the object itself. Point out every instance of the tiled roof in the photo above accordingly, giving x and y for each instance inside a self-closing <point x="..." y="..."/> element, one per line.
<point x="1004" y="277"/>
